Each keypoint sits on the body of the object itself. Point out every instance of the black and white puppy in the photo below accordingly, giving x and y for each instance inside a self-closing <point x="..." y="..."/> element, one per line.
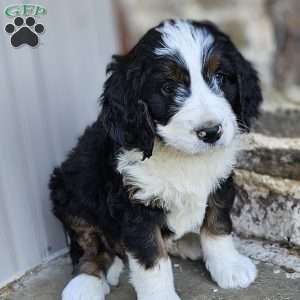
<point x="157" y="164"/>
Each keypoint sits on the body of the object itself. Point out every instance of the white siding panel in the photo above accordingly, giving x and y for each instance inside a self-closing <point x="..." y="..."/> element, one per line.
<point x="48" y="94"/>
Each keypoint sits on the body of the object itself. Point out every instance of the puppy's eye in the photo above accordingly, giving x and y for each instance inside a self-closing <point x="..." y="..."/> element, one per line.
<point x="220" y="77"/>
<point x="168" y="88"/>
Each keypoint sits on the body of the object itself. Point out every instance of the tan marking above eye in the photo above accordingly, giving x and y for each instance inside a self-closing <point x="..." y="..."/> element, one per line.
<point x="212" y="64"/>
<point x="176" y="73"/>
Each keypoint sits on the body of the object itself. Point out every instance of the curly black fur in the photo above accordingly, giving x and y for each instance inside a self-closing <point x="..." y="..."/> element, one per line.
<point x="87" y="185"/>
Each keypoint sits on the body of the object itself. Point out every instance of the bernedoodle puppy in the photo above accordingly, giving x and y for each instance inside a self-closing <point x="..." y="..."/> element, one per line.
<point x="157" y="164"/>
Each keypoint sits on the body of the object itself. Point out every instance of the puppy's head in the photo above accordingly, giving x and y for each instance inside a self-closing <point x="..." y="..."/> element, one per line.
<point x="184" y="82"/>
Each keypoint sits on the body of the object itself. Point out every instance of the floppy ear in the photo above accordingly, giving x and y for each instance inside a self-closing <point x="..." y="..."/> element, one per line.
<point x="125" y="115"/>
<point x="250" y="96"/>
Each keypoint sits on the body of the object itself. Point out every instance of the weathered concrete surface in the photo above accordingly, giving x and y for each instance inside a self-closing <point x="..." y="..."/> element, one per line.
<point x="286" y="257"/>
<point x="192" y="283"/>
<point x="279" y="157"/>
<point x="267" y="179"/>
<point x="267" y="207"/>
<point x="278" y="122"/>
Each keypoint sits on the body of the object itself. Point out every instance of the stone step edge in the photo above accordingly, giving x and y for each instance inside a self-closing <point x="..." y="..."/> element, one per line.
<point x="269" y="252"/>
<point x="279" y="157"/>
<point x="266" y="208"/>
<point x="285" y="187"/>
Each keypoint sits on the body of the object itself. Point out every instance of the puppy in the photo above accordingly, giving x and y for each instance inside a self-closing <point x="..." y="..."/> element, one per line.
<point x="157" y="164"/>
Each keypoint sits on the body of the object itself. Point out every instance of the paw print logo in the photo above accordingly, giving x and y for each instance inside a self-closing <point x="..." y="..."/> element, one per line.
<point x="24" y="31"/>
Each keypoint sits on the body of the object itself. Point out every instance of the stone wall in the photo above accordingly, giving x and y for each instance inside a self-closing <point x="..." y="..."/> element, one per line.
<point x="266" y="31"/>
<point x="267" y="179"/>
<point x="267" y="207"/>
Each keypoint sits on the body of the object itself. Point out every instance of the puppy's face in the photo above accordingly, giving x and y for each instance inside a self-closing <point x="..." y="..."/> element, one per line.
<point x="191" y="91"/>
<point x="198" y="89"/>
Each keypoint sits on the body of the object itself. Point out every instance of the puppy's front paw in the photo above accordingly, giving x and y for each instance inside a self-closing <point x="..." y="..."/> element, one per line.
<point x="234" y="271"/>
<point x="85" y="287"/>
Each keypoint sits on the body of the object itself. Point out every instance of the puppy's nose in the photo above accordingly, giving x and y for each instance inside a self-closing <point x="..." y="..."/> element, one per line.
<point x="210" y="134"/>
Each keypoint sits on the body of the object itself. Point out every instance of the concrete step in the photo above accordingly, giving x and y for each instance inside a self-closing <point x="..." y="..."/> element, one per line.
<point x="192" y="283"/>
<point x="267" y="178"/>
<point x="267" y="207"/>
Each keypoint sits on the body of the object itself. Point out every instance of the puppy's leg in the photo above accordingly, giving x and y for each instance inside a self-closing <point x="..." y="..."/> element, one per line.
<point x="114" y="272"/>
<point x="155" y="282"/>
<point x="91" y="262"/>
<point x="150" y="267"/>
<point x="188" y="247"/>
<point x="226" y="266"/>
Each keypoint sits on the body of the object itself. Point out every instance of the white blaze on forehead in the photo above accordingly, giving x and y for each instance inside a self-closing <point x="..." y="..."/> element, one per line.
<point x="187" y="43"/>
<point x="191" y="45"/>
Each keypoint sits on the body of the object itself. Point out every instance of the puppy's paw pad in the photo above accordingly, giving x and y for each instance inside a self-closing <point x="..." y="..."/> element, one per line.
<point x="85" y="287"/>
<point x="237" y="271"/>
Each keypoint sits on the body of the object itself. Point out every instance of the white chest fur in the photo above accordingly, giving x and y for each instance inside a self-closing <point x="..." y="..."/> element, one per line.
<point x="180" y="182"/>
